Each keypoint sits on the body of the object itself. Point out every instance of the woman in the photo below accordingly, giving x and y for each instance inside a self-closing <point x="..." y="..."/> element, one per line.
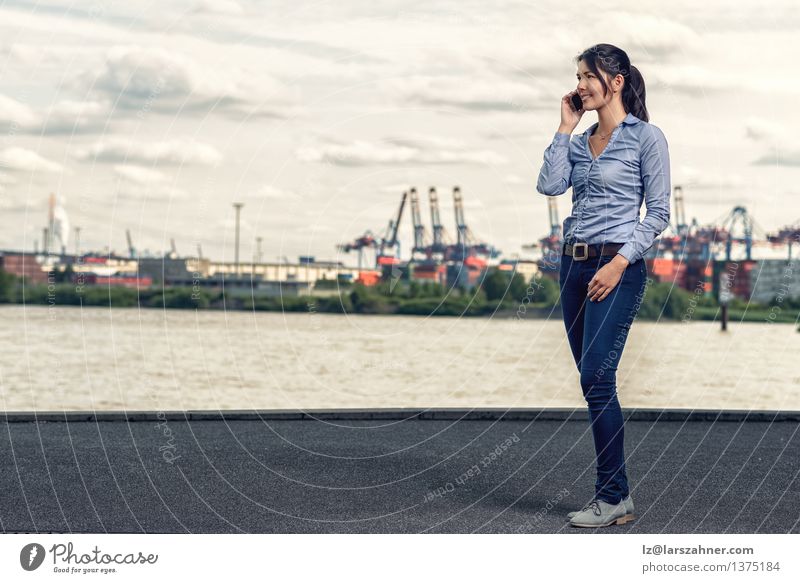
<point x="612" y="167"/>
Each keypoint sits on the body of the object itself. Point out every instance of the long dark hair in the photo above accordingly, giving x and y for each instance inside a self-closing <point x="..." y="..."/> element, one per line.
<point x="613" y="60"/>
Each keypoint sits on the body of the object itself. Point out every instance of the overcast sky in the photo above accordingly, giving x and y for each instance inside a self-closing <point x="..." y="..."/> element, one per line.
<point x="156" y="117"/>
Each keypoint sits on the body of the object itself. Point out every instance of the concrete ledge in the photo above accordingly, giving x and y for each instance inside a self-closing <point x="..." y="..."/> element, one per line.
<point x="485" y="414"/>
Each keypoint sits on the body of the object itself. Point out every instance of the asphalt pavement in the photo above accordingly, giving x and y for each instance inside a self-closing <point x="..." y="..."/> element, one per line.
<point x="390" y="471"/>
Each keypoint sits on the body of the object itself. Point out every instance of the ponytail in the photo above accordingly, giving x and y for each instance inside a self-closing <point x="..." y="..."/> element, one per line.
<point x="633" y="94"/>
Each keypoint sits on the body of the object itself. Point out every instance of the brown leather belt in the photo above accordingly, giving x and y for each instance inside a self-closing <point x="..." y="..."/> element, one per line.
<point x="582" y="251"/>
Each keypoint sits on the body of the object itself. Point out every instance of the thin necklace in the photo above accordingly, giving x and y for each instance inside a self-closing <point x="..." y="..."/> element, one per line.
<point x="604" y="136"/>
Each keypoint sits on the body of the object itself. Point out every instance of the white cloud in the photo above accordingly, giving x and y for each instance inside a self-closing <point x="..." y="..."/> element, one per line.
<point x="482" y="93"/>
<point x="779" y="158"/>
<point x="229" y="224"/>
<point x="134" y="191"/>
<point x="65" y="116"/>
<point x="138" y="174"/>
<point x="394" y="188"/>
<point x="694" y="80"/>
<point x="777" y="140"/>
<point x="137" y="182"/>
<point x="225" y="7"/>
<point x="274" y="193"/>
<point x="651" y="38"/>
<point x="16" y="113"/>
<point x="44" y="57"/>
<point x="701" y="179"/>
<point x="763" y="130"/>
<point x="75" y="117"/>
<point x="12" y="204"/>
<point x="16" y="159"/>
<point x="155" y="79"/>
<point x="417" y="150"/>
<point x="169" y="153"/>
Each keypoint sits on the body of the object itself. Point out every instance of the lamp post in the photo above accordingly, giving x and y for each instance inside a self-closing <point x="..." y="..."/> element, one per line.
<point x="238" y="206"/>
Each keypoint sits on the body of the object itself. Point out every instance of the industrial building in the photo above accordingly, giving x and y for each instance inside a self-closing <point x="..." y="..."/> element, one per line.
<point x="694" y="257"/>
<point x="690" y="256"/>
<point x="436" y="256"/>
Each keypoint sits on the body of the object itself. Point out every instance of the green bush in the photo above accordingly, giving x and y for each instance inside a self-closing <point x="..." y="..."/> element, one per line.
<point x="664" y="301"/>
<point x="7" y="285"/>
<point x="495" y="284"/>
<point x="450" y="306"/>
<point x="179" y="297"/>
<point x="502" y="285"/>
<point x="364" y="301"/>
<point x="543" y="290"/>
<point x="103" y="296"/>
<point x="335" y="305"/>
<point x="331" y="284"/>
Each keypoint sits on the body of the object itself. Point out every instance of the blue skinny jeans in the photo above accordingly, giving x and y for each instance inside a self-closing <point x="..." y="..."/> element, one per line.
<point x="597" y="331"/>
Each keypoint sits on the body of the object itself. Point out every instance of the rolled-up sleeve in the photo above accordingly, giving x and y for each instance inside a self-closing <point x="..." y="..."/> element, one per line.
<point x="656" y="182"/>
<point x="555" y="177"/>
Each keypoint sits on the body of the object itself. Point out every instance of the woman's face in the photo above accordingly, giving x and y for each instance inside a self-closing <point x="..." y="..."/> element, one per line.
<point x="591" y="90"/>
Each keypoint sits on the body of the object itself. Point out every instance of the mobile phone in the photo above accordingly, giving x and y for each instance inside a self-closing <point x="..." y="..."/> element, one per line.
<point x="577" y="102"/>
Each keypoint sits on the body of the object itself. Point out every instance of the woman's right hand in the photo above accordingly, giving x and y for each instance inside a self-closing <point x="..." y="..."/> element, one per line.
<point x="570" y="117"/>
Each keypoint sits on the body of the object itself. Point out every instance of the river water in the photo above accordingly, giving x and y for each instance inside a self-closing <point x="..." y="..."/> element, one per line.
<point x="68" y="358"/>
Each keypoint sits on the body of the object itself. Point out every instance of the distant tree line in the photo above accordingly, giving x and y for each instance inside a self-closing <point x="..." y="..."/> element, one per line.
<point x="499" y="292"/>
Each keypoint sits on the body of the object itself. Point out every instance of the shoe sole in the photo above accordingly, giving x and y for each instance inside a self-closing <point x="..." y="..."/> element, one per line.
<point x="621" y="520"/>
<point x="568" y="518"/>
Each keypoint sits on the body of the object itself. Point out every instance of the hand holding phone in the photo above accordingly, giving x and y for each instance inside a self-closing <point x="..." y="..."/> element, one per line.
<point x="577" y="102"/>
<point x="571" y="110"/>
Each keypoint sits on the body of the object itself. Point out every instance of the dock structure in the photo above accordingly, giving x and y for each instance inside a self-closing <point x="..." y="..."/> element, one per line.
<point x="390" y="471"/>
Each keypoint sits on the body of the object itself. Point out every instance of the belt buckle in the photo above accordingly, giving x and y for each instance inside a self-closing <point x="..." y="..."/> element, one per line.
<point x="585" y="247"/>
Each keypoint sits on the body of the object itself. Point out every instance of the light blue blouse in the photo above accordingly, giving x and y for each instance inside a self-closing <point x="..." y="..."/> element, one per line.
<point x="608" y="191"/>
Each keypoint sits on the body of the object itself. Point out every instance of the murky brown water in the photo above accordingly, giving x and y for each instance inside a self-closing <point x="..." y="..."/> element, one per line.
<point x="96" y="358"/>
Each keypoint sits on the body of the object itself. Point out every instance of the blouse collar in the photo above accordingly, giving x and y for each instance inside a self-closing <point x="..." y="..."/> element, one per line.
<point x="630" y="119"/>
